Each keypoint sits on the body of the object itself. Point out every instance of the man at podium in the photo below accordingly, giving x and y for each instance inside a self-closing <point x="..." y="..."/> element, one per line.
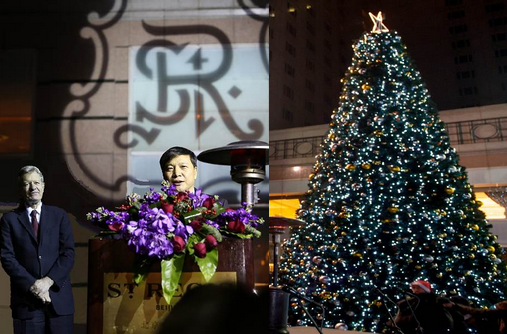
<point x="37" y="252"/>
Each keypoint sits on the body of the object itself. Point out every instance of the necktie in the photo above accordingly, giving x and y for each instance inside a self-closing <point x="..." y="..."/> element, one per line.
<point x="35" y="223"/>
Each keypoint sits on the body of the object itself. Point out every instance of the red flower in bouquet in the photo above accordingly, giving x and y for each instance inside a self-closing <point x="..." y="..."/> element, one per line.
<point x="197" y="223"/>
<point x="200" y="250"/>
<point x="236" y="226"/>
<point x="208" y="203"/>
<point x="178" y="244"/>
<point x="210" y="242"/>
<point x="168" y="208"/>
<point x="181" y="196"/>
<point x="116" y="226"/>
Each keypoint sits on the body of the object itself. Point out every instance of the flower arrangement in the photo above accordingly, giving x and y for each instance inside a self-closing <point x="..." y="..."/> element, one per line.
<point x="168" y="225"/>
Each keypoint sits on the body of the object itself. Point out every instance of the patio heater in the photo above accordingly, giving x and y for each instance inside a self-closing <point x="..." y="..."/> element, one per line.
<point x="248" y="160"/>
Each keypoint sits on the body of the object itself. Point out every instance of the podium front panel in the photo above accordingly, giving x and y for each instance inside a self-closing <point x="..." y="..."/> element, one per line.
<point x="117" y="304"/>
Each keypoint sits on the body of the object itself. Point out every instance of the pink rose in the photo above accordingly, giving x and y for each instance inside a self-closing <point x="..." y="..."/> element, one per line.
<point x="210" y="242"/>
<point x="236" y="226"/>
<point x="200" y="250"/>
<point x="178" y="244"/>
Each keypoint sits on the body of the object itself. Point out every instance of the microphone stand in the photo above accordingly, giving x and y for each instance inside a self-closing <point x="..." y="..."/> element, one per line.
<point x="300" y="297"/>
<point x="419" y="329"/>
<point x="382" y="295"/>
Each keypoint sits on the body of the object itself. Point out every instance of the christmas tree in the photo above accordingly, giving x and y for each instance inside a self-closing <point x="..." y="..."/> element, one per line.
<point x="388" y="202"/>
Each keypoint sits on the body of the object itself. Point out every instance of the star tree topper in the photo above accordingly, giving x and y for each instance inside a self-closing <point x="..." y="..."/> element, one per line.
<point x="378" y="25"/>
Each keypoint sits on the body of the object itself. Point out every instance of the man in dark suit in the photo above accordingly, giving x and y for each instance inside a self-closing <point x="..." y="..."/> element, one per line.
<point x="37" y="252"/>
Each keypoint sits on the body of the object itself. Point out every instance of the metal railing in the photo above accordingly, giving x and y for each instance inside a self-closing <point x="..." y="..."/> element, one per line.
<point x="460" y="133"/>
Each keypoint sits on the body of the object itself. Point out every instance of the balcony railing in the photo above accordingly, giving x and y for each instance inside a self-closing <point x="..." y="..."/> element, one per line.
<point x="460" y="133"/>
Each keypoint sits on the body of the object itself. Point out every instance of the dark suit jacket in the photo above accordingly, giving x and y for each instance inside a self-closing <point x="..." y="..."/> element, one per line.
<point x="25" y="260"/>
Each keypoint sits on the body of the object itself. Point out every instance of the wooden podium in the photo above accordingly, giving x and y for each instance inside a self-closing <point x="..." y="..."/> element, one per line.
<point x="116" y="304"/>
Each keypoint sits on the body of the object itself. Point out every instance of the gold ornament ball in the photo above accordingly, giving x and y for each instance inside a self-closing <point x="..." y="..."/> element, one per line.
<point x="450" y="190"/>
<point x="472" y="256"/>
<point x="439" y="275"/>
<point x="491" y="249"/>
<point x="358" y="255"/>
<point x="366" y="166"/>
<point x="393" y="209"/>
<point x="343" y="215"/>
<point x="475" y="227"/>
<point x="394" y="168"/>
<point x="365" y="87"/>
<point x="351" y="167"/>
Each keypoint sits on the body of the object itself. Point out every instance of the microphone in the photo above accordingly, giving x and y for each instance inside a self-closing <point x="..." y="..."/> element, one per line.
<point x="384" y="298"/>
<point x="300" y="297"/>
<point x="294" y="292"/>
<point x="375" y="289"/>
<point x="382" y="294"/>
<point x="407" y="293"/>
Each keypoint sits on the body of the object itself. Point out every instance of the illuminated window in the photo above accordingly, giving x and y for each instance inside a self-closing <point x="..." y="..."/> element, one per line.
<point x="283" y="207"/>
<point x="492" y="209"/>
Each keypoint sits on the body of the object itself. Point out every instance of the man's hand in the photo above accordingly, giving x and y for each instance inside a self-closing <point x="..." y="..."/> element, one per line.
<point x="45" y="298"/>
<point x="41" y="287"/>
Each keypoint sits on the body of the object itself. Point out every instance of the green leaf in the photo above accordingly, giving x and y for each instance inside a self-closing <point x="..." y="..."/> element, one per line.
<point x="189" y="216"/>
<point x="218" y="209"/>
<point x="208" y="229"/>
<point x="171" y="273"/>
<point x="208" y="265"/>
<point x="141" y="268"/>
<point x="253" y="231"/>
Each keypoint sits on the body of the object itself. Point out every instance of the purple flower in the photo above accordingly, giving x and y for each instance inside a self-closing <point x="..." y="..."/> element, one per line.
<point x="198" y="198"/>
<point x="169" y="190"/>
<point x="152" y="197"/>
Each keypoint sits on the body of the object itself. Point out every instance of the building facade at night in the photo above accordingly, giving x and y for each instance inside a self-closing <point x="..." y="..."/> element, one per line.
<point x="459" y="46"/>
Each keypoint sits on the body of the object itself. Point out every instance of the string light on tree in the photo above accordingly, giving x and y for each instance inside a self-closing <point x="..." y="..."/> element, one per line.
<point x="388" y="202"/>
